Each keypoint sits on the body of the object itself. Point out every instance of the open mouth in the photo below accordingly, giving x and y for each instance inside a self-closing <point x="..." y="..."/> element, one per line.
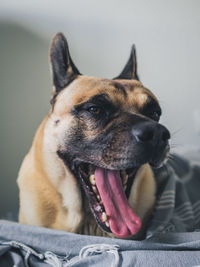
<point x="108" y="192"/>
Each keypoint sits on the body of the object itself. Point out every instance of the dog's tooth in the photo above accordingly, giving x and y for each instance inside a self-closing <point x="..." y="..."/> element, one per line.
<point x="107" y="224"/>
<point x="124" y="177"/>
<point x="94" y="188"/>
<point x="92" y="179"/>
<point x="104" y="217"/>
<point x="98" y="197"/>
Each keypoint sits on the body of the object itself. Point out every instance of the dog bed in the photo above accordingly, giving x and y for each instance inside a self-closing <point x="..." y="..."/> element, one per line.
<point x="173" y="234"/>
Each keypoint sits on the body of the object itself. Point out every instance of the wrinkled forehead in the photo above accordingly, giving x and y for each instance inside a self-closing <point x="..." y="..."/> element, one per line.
<point x="122" y="93"/>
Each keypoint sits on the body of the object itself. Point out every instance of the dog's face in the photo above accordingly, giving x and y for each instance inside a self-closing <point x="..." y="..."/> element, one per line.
<point x="104" y="131"/>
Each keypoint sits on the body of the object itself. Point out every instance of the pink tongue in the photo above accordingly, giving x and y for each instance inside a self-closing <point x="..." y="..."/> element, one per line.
<point x="123" y="221"/>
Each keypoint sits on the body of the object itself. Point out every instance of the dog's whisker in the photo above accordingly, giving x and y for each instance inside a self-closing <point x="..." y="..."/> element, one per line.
<point x="170" y="156"/>
<point x="175" y="146"/>
<point x="176" y="132"/>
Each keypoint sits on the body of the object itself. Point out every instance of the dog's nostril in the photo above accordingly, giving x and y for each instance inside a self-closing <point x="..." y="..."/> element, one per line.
<point x="165" y="135"/>
<point x="144" y="135"/>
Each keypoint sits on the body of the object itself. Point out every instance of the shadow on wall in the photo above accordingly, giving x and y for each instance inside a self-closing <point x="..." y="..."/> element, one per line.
<point x="25" y="93"/>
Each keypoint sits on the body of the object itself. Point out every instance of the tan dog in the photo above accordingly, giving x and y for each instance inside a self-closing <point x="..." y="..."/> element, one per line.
<point x="88" y="168"/>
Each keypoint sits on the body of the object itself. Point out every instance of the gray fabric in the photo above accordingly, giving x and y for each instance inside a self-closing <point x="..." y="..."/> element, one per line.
<point x="172" y="236"/>
<point x="172" y="249"/>
<point x="178" y="197"/>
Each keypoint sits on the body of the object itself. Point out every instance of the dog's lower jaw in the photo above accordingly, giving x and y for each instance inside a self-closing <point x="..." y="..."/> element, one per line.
<point x="90" y="227"/>
<point x="143" y="189"/>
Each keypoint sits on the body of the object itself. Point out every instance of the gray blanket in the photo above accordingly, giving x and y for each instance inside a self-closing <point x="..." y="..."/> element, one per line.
<point x="172" y="236"/>
<point x="36" y="246"/>
<point x="178" y="197"/>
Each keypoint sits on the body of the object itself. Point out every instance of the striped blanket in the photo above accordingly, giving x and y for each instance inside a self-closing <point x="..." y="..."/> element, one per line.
<point x="177" y="210"/>
<point x="178" y="197"/>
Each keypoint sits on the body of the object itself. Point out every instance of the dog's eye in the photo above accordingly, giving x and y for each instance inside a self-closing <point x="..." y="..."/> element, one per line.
<point x="155" y="115"/>
<point x="94" y="110"/>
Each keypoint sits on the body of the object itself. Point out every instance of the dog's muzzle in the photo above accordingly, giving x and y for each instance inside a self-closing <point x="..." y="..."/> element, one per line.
<point x="152" y="136"/>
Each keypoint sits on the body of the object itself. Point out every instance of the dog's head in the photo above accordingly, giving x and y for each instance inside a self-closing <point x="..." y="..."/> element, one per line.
<point x="104" y="131"/>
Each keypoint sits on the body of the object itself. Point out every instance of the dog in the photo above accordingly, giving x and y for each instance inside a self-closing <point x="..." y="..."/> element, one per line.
<point x="89" y="170"/>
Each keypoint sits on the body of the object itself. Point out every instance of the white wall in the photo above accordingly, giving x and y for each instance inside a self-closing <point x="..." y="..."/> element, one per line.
<point x="166" y="33"/>
<point x="100" y="34"/>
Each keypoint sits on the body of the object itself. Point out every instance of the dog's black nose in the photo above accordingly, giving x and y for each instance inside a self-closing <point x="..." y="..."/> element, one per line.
<point x="148" y="132"/>
<point x="165" y="134"/>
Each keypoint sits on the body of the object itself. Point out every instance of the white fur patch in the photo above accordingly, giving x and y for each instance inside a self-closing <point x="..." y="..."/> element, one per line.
<point x="62" y="179"/>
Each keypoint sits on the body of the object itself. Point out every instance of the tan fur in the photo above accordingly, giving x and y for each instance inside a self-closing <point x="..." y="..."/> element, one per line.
<point x="49" y="193"/>
<point x="43" y="189"/>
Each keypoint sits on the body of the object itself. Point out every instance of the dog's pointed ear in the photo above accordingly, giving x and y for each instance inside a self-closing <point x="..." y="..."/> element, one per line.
<point x="63" y="69"/>
<point x="130" y="70"/>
